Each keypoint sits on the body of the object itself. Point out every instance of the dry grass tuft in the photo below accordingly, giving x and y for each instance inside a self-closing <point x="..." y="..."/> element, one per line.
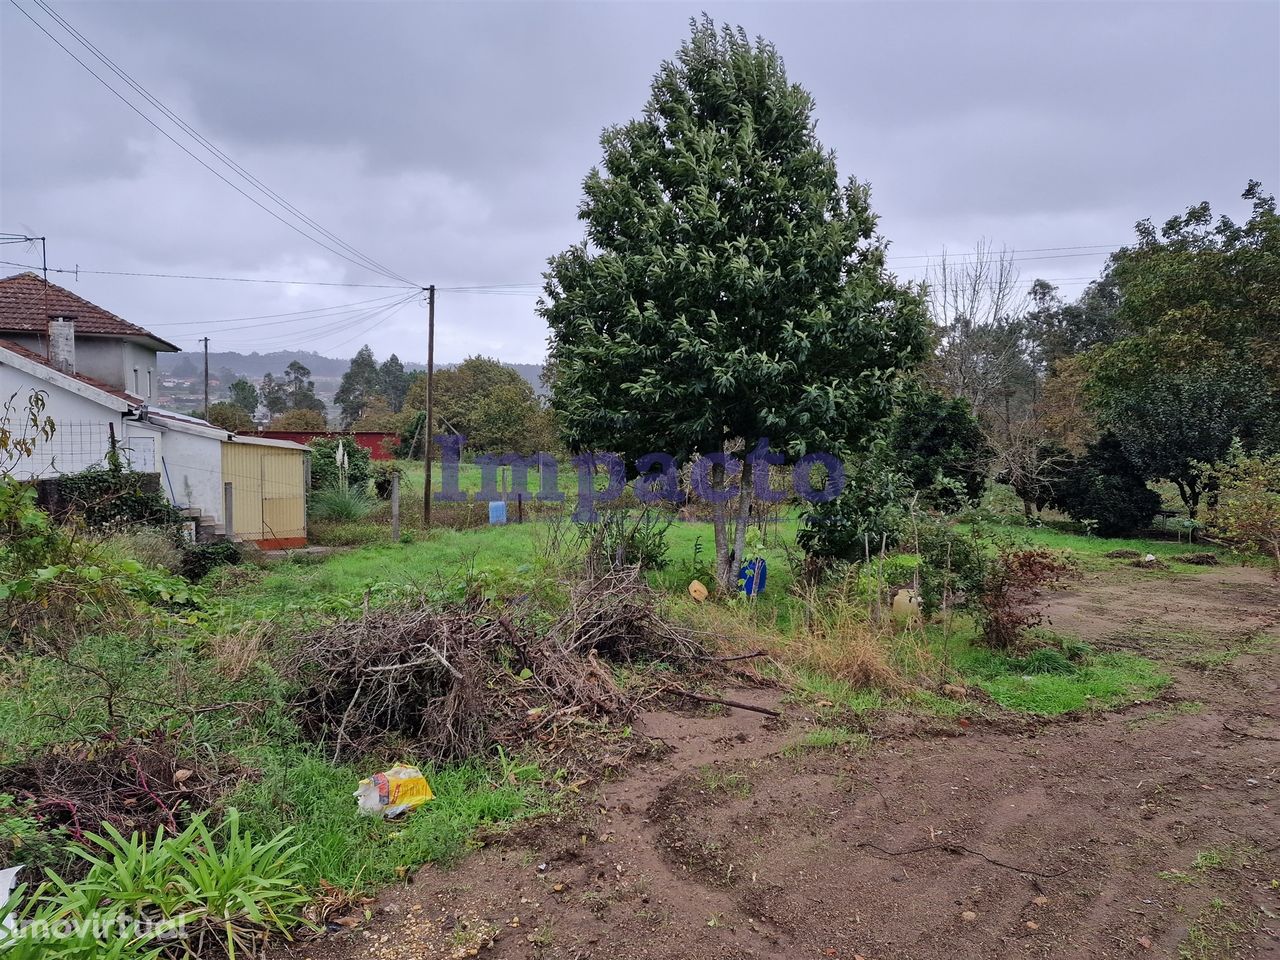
<point x="237" y="653"/>
<point x="843" y="635"/>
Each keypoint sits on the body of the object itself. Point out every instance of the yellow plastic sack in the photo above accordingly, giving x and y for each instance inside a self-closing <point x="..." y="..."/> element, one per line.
<point x="393" y="792"/>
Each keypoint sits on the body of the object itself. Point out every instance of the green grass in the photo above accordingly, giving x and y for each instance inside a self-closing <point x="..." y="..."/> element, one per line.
<point x="836" y="695"/>
<point x="1090" y="553"/>
<point x="1047" y="682"/>
<point x="302" y="790"/>
<point x="830" y="738"/>
<point x="736" y="785"/>
<point x="1107" y="680"/>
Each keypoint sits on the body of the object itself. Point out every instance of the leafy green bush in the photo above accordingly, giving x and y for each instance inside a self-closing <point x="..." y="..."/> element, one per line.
<point x="870" y="511"/>
<point x="215" y="889"/>
<point x="50" y="582"/>
<point x="953" y="566"/>
<point x="1246" y="508"/>
<point x="1105" y="486"/>
<point x="199" y="558"/>
<point x="623" y="539"/>
<point x="324" y="463"/>
<point x="935" y="441"/>
<point x="115" y="497"/>
<point x="340" y="502"/>
<point x="382" y="474"/>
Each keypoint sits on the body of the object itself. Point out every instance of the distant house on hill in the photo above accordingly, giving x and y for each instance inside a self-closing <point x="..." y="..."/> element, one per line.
<point x="97" y="374"/>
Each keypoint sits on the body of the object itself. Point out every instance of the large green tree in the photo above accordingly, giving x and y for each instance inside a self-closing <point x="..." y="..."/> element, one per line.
<point x="393" y="382"/>
<point x="360" y="384"/>
<point x="1200" y="300"/>
<point x="490" y="403"/>
<point x="729" y="288"/>
<point x="272" y="394"/>
<point x="245" y="396"/>
<point x="300" y="389"/>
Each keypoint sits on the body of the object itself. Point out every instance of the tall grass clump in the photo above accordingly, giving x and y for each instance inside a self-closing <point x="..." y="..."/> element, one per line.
<point x="340" y="502"/>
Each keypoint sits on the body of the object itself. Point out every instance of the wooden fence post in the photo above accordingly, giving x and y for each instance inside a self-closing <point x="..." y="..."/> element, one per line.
<point x="395" y="506"/>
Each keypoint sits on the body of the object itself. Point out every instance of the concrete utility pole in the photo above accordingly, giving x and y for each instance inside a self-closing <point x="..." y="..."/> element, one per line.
<point x="429" y="425"/>
<point x="205" y="341"/>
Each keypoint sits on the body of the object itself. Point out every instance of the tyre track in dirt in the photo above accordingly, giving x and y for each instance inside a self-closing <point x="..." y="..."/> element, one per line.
<point x="729" y="847"/>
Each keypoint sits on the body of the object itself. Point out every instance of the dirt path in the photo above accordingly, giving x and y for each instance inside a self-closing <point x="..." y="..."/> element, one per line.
<point x="1044" y="840"/>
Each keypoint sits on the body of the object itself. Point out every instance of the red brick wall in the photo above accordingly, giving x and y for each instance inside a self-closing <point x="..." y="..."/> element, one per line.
<point x="373" y="442"/>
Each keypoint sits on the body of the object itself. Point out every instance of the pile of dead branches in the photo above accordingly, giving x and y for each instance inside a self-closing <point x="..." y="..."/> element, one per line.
<point x="451" y="681"/>
<point x="136" y="784"/>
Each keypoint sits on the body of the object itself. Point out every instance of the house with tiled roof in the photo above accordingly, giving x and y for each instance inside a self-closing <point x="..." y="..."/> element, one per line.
<point x="69" y="330"/>
<point x="95" y="374"/>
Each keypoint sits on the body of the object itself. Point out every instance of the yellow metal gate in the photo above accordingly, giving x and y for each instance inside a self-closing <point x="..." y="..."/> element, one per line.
<point x="268" y="493"/>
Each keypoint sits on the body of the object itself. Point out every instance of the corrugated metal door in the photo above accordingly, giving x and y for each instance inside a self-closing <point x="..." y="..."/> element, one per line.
<point x="242" y="468"/>
<point x="284" y="501"/>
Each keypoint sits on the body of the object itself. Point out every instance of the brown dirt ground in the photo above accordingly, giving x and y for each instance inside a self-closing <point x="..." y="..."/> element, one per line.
<point x="1010" y="839"/>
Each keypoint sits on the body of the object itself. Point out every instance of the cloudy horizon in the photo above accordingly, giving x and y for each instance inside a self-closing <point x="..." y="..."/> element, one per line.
<point x="449" y="143"/>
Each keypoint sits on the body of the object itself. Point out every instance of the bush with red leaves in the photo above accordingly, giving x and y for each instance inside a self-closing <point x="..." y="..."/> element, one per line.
<point x="1011" y="599"/>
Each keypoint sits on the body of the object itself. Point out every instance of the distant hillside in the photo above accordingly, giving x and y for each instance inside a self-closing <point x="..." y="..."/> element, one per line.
<point x="254" y="365"/>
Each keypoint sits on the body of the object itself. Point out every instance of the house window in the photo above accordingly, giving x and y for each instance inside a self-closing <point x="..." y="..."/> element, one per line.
<point x="148" y="384"/>
<point x="135" y="380"/>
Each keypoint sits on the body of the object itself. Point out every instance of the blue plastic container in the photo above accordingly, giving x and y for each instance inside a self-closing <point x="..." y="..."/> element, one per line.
<point x="752" y="576"/>
<point x="497" y="513"/>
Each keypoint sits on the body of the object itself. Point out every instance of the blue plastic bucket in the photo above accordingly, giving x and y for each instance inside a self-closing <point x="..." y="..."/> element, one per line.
<point x="497" y="513"/>
<point x="752" y="576"/>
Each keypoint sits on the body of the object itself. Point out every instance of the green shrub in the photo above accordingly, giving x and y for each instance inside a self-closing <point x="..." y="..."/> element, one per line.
<point x="935" y="441"/>
<point x="624" y="539"/>
<point x="1246" y="509"/>
<point x="199" y="558"/>
<point x="218" y="889"/>
<point x="953" y="566"/>
<point x="382" y="474"/>
<point x="324" y="463"/>
<point x="1106" y="487"/>
<point x="115" y="497"/>
<point x="50" y="582"/>
<point x="870" y="511"/>
<point x="339" y="502"/>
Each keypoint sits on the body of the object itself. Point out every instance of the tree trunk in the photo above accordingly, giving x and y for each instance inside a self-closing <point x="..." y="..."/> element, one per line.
<point x="744" y="518"/>
<point x="1189" y="499"/>
<point x="720" y="523"/>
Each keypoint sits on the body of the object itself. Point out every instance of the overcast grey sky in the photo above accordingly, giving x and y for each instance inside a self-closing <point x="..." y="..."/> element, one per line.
<point x="449" y="141"/>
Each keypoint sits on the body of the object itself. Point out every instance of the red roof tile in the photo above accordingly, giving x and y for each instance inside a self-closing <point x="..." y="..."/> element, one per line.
<point x="44" y="362"/>
<point x="26" y="304"/>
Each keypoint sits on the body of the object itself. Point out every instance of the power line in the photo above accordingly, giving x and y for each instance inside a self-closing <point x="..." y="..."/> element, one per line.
<point x="132" y="106"/>
<point x="209" y="145"/>
<point x="188" y="276"/>
<point x="330" y="327"/>
<point x="292" y="316"/>
<point x="991" y="255"/>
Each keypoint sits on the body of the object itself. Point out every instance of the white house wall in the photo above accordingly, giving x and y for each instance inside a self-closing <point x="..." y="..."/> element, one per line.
<point x="191" y="472"/>
<point x="81" y="437"/>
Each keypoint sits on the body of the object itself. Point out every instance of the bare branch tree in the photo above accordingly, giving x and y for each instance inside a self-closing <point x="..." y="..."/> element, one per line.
<point x="977" y="305"/>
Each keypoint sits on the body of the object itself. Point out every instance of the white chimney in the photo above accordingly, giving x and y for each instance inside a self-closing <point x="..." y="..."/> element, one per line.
<point x="62" y="344"/>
